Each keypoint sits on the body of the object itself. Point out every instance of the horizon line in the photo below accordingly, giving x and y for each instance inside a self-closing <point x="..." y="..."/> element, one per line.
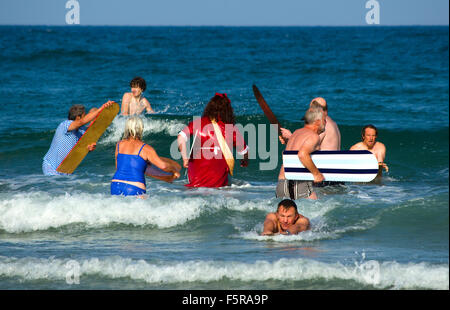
<point x="187" y="25"/>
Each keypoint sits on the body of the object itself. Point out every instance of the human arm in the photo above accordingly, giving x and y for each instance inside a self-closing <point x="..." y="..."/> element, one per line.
<point x="302" y="224"/>
<point x="151" y="156"/>
<point x="241" y="146"/>
<point x="381" y="156"/>
<point x="304" y="154"/>
<point x="270" y="225"/>
<point x="182" y="148"/>
<point x="125" y="104"/>
<point x="285" y="135"/>
<point x="148" y="107"/>
<point x="244" y="162"/>
<point x="182" y="139"/>
<point x="77" y="123"/>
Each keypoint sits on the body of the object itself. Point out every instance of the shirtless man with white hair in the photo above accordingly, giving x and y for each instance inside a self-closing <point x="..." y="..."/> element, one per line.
<point x="304" y="140"/>
<point x="330" y="139"/>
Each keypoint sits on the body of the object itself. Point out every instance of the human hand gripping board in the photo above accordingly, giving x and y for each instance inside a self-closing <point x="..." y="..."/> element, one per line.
<point x="159" y="174"/>
<point x="338" y="166"/>
<point x="91" y="135"/>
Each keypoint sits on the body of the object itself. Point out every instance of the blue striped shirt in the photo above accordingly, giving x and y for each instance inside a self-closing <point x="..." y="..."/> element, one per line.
<point x="62" y="143"/>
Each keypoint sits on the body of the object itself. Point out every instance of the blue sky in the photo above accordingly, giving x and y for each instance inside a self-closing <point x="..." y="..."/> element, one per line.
<point x="225" y="12"/>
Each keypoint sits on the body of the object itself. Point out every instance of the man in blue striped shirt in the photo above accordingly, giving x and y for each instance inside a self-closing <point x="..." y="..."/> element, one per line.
<point x="67" y="135"/>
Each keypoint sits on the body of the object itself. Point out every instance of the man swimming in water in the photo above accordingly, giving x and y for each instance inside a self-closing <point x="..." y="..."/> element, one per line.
<point x="369" y="135"/>
<point x="134" y="102"/>
<point x="286" y="221"/>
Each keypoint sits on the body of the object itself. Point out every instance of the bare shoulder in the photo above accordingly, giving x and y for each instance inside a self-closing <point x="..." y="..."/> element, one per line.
<point x="379" y="146"/>
<point x="331" y="121"/>
<point x="358" y="146"/>
<point x="126" y="96"/>
<point x="148" y="148"/>
<point x="333" y="126"/>
<point x="303" y="220"/>
<point x="271" y="216"/>
<point x="312" y="140"/>
<point x="303" y="223"/>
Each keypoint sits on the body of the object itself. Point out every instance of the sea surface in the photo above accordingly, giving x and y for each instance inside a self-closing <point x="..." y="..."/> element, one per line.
<point x="68" y="232"/>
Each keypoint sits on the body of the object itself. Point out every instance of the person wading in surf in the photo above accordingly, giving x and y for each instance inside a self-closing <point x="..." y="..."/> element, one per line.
<point x="369" y="135"/>
<point x="132" y="158"/>
<point x="67" y="135"/>
<point x="214" y="136"/>
<point x="286" y="221"/>
<point x="305" y="140"/>
<point x="134" y="103"/>
<point x="330" y="139"/>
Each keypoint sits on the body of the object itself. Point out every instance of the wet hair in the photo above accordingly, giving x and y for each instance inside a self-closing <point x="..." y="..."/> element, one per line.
<point x="75" y="111"/>
<point x="138" y="82"/>
<point x="134" y="128"/>
<point x="219" y="108"/>
<point x="314" y="113"/>
<point x="287" y="204"/>
<point x="363" y="131"/>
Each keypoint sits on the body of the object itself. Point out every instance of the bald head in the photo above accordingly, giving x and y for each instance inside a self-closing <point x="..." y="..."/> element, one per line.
<point x="320" y="101"/>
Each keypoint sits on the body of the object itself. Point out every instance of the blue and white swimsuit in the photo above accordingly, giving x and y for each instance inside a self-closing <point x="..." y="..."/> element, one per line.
<point x="62" y="143"/>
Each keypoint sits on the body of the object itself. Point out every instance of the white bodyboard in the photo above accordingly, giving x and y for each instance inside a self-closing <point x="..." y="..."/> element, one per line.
<point x="337" y="166"/>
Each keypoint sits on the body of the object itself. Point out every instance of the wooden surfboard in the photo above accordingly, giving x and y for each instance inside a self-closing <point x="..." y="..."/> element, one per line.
<point x="338" y="166"/>
<point x="159" y="174"/>
<point x="91" y="135"/>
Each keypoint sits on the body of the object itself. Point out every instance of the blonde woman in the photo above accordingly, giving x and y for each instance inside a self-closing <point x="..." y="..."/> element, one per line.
<point x="132" y="157"/>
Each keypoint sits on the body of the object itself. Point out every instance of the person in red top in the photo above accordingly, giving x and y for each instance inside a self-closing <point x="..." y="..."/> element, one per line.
<point x="211" y="159"/>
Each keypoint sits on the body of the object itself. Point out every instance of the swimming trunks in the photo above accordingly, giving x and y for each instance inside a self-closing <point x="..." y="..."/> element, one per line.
<point x="120" y="188"/>
<point x="293" y="189"/>
<point x="328" y="183"/>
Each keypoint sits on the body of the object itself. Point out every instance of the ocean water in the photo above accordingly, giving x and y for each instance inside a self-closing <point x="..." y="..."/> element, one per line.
<point x="55" y="230"/>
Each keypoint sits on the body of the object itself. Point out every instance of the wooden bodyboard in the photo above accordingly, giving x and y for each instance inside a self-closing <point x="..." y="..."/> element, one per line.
<point x="159" y="174"/>
<point x="266" y="109"/>
<point x="338" y="166"/>
<point x="91" y="135"/>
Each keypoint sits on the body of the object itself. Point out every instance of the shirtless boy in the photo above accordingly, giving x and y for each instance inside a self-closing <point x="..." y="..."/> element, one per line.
<point x="134" y="102"/>
<point x="286" y="221"/>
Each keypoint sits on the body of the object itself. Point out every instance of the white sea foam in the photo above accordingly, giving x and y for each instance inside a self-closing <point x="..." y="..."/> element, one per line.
<point x="40" y="211"/>
<point x="320" y="230"/>
<point x="151" y="126"/>
<point x="382" y="275"/>
<point x="27" y="212"/>
<point x="308" y="236"/>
